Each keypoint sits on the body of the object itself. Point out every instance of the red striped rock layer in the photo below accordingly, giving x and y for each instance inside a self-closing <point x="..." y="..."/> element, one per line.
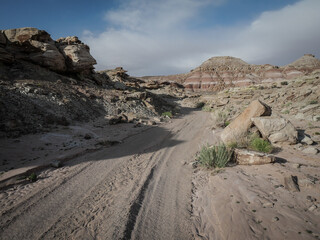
<point x="220" y="72"/>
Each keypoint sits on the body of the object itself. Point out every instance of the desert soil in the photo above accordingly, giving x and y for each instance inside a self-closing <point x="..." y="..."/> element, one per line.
<point x="140" y="189"/>
<point x="146" y="188"/>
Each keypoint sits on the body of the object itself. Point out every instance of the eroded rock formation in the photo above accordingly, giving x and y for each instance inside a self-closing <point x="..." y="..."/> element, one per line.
<point x="34" y="45"/>
<point x="220" y="72"/>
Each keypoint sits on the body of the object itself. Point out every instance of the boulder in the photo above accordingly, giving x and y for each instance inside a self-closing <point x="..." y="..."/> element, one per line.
<point x="239" y="126"/>
<point x="49" y="56"/>
<point x="246" y="157"/>
<point x="276" y="129"/>
<point x="77" y="54"/>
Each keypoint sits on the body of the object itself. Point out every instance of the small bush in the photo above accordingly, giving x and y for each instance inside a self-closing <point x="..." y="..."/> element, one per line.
<point x="200" y="104"/>
<point x="167" y="114"/>
<point x="219" y="119"/>
<point x="286" y="111"/>
<point x="313" y="102"/>
<point x="260" y="145"/>
<point x="284" y="83"/>
<point x="33" y="177"/>
<point x="214" y="156"/>
<point x="207" y="108"/>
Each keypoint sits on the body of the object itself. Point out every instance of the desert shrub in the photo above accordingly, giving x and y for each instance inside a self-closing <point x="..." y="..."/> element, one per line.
<point x="214" y="156"/>
<point x="286" y="111"/>
<point x="207" y="108"/>
<point x="233" y="145"/>
<point x="167" y="114"/>
<point x="313" y="102"/>
<point x="284" y="83"/>
<point x="200" y="104"/>
<point x="219" y="119"/>
<point x="33" y="177"/>
<point x="259" y="144"/>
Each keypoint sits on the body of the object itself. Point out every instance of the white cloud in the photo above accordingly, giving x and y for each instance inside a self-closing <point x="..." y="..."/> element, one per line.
<point x="151" y="37"/>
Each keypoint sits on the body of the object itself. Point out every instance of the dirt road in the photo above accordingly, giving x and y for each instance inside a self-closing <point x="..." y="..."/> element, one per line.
<point x="140" y="189"/>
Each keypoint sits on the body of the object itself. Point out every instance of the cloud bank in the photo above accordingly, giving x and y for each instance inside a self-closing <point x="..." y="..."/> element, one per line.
<point x="150" y="37"/>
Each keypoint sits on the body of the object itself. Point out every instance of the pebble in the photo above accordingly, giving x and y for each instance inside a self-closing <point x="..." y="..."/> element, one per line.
<point x="267" y="205"/>
<point x="307" y="140"/>
<point x="310" y="150"/>
<point x="296" y="165"/>
<point x="312" y="208"/>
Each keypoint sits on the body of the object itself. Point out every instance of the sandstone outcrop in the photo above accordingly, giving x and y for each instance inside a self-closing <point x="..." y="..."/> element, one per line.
<point x="76" y="54"/>
<point x="34" y="45"/>
<point x="239" y="127"/>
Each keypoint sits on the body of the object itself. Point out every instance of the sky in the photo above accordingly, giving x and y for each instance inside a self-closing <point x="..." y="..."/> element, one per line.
<point x="161" y="37"/>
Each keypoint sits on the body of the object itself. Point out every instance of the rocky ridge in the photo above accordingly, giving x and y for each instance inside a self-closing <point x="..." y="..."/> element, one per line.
<point x="45" y="83"/>
<point x="218" y="73"/>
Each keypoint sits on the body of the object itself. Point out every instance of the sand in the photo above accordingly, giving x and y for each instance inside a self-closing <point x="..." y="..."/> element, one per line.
<point x="146" y="188"/>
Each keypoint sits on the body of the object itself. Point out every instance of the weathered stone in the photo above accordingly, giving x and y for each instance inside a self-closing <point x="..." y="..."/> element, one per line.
<point x="246" y="157"/>
<point x="276" y="129"/>
<point x="310" y="150"/>
<point x="56" y="164"/>
<point x="24" y="35"/>
<point x="239" y="126"/>
<point x="307" y="140"/>
<point x="291" y="183"/>
<point x="77" y="57"/>
<point x="49" y="56"/>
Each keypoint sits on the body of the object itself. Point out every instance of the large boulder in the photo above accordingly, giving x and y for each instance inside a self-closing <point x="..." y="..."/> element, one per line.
<point x="239" y="127"/>
<point x="76" y="53"/>
<point x="34" y="45"/>
<point x="276" y="129"/>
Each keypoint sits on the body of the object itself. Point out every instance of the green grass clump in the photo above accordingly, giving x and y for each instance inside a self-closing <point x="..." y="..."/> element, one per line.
<point x="214" y="156"/>
<point x="33" y="177"/>
<point x="167" y="114"/>
<point x="207" y="108"/>
<point x="260" y="145"/>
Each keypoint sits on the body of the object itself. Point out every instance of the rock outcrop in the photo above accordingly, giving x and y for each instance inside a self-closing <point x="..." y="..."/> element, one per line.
<point x="34" y="45"/>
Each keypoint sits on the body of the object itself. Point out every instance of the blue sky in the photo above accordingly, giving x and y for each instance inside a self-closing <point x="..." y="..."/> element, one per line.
<point x="149" y="37"/>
